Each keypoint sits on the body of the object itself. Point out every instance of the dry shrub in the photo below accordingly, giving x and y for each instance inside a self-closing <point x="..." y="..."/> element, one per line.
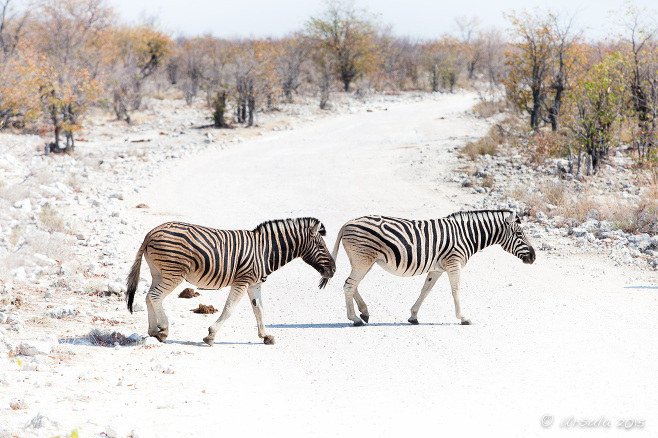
<point x="487" y="145"/>
<point x="487" y="109"/>
<point x="110" y="339"/>
<point x="15" y="235"/>
<point x="543" y="145"/>
<point x="51" y="220"/>
<point x="488" y="181"/>
<point x="641" y="218"/>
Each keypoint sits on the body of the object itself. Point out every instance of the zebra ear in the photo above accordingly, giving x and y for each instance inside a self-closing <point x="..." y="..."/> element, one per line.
<point x="315" y="228"/>
<point x="513" y="218"/>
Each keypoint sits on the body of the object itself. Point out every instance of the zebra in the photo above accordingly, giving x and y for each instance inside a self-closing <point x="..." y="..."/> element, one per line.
<point x="212" y="259"/>
<point x="407" y="248"/>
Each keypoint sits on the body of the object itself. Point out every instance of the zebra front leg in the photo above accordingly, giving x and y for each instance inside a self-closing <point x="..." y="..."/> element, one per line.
<point x="257" y="306"/>
<point x="350" y="287"/>
<point x="454" y="274"/>
<point x="430" y="281"/>
<point x="234" y="297"/>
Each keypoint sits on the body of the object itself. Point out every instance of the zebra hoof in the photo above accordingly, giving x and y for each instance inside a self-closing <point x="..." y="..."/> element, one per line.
<point x="466" y="322"/>
<point x="208" y="340"/>
<point x="414" y="321"/>
<point x="268" y="340"/>
<point x="162" y="336"/>
<point x="358" y="323"/>
<point x="366" y="318"/>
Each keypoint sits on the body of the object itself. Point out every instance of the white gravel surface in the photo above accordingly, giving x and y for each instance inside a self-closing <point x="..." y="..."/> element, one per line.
<point x="572" y="336"/>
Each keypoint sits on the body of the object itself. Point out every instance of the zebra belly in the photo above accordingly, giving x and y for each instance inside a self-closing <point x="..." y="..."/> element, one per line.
<point x="401" y="271"/>
<point x="194" y="278"/>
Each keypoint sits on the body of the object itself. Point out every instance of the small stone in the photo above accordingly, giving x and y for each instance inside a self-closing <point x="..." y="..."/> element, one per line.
<point x="138" y="306"/>
<point x="547" y="246"/>
<point x="32" y="348"/>
<point x="111" y="432"/>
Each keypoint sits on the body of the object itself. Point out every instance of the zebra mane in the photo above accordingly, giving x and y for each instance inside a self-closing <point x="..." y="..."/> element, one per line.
<point x="296" y="222"/>
<point x="478" y="213"/>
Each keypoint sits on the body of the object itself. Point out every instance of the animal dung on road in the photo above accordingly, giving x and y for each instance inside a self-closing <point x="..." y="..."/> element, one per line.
<point x="204" y="309"/>
<point x="188" y="292"/>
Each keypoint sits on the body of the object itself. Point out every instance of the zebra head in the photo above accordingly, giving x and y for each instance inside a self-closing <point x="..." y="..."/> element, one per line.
<point x="515" y="241"/>
<point x="316" y="253"/>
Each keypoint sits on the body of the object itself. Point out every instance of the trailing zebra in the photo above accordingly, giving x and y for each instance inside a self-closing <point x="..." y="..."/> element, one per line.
<point x="412" y="247"/>
<point x="212" y="259"/>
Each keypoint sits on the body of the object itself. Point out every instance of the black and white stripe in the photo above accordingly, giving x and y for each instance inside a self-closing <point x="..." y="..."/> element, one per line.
<point x="407" y="248"/>
<point x="212" y="259"/>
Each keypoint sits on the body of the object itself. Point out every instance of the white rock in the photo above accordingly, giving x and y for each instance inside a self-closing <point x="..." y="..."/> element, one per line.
<point x="19" y="274"/>
<point x="111" y="432"/>
<point x="62" y="188"/>
<point x="151" y="342"/>
<point x="3" y="318"/>
<point x="24" y="204"/>
<point x="32" y="348"/>
<point x="138" y="306"/>
<point x="52" y="340"/>
<point x="547" y="246"/>
<point x="115" y="287"/>
<point x="577" y="231"/>
<point x="40" y="421"/>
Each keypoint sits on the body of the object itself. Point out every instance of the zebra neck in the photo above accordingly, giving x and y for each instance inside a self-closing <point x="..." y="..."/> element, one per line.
<point x="280" y="249"/>
<point x="492" y="235"/>
<point x="479" y="234"/>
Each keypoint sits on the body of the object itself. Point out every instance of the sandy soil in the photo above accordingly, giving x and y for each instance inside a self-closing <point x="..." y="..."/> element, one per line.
<point x="571" y="336"/>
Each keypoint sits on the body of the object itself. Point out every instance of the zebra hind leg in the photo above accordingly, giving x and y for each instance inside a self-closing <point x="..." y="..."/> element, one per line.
<point x="430" y="281"/>
<point x="363" y="309"/>
<point x="350" y="288"/>
<point x="157" y="315"/>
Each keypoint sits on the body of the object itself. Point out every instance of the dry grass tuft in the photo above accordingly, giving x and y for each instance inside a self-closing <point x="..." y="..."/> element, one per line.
<point x="487" y="145"/>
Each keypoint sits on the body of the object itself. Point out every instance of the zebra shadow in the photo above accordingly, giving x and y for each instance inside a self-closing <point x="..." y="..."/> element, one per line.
<point x="349" y="324"/>
<point x="203" y="344"/>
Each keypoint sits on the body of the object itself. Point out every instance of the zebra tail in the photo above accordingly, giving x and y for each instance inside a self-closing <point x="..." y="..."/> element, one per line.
<point x="133" y="277"/>
<point x="334" y="254"/>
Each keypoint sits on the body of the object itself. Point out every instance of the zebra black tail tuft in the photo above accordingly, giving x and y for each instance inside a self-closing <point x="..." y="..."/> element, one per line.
<point x="133" y="278"/>
<point x="323" y="282"/>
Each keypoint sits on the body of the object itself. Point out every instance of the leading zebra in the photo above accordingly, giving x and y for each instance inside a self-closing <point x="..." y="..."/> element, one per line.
<point x="412" y="247"/>
<point x="212" y="259"/>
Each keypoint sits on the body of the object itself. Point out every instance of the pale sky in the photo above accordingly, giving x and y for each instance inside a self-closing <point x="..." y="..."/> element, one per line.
<point x="416" y="18"/>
